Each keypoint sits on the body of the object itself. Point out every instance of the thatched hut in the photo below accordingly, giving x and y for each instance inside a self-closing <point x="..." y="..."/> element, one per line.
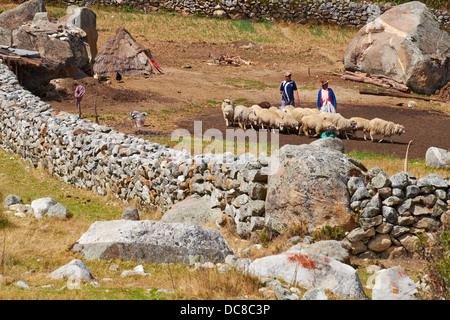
<point x="122" y="53"/>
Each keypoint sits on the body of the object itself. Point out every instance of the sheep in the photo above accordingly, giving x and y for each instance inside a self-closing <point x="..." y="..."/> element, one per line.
<point x="342" y="124"/>
<point x="318" y="125"/>
<point x="228" y="112"/>
<point x="299" y="113"/>
<point x="270" y="119"/>
<point x="238" y="111"/>
<point x="253" y="117"/>
<point x="385" y="128"/>
<point x="362" y="124"/>
<point x="241" y="114"/>
<point x="291" y="125"/>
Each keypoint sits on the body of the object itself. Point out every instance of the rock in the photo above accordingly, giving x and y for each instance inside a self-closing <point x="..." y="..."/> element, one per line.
<point x="310" y="188"/>
<point x="11" y="199"/>
<point x="401" y="43"/>
<point x="432" y="180"/>
<point x="74" y="269"/>
<point x="194" y="209"/>
<point x="138" y="270"/>
<point x="393" y="284"/>
<point x="315" y="294"/>
<point x="14" y="18"/>
<point x="329" y="248"/>
<point x="328" y="142"/>
<point x="22" y="284"/>
<point x="85" y="19"/>
<point x="41" y="206"/>
<point x="310" y="271"/>
<point x="380" y="243"/>
<point x="437" y="158"/>
<point x="57" y="210"/>
<point x="152" y="241"/>
<point x="130" y="213"/>
<point x="63" y="50"/>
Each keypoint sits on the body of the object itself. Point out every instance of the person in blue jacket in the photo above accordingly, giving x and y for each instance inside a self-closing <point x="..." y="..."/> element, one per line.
<point x="287" y="89"/>
<point x="326" y="99"/>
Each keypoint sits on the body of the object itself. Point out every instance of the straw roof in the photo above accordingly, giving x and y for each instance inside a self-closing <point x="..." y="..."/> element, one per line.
<point x="122" y="53"/>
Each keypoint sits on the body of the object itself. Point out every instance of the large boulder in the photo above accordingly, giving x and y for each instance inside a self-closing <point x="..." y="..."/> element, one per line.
<point x="63" y="51"/>
<point x="437" y="158"/>
<point x="310" y="189"/>
<point x="152" y="241"/>
<point x="310" y="271"/>
<point x="85" y="19"/>
<point x="394" y="284"/>
<point x="405" y="43"/>
<point x="14" y="18"/>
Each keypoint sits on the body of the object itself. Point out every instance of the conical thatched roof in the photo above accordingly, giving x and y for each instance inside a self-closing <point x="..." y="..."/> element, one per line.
<point x="122" y="53"/>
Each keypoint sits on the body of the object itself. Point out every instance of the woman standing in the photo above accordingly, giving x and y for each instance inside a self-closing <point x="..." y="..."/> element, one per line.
<point x="326" y="100"/>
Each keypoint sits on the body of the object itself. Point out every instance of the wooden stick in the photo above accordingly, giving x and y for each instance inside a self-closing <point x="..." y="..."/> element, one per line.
<point x="406" y="157"/>
<point x="95" y="111"/>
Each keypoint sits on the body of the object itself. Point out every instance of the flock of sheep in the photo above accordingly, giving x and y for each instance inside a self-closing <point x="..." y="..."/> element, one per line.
<point x="308" y="121"/>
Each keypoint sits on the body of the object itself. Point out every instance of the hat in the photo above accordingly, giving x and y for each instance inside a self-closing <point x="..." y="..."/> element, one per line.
<point x="323" y="81"/>
<point x="287" y="74"/>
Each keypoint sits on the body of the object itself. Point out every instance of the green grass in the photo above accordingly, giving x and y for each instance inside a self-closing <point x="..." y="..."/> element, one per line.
<point x="248" y="84"/>
<point x="20" y="178"/>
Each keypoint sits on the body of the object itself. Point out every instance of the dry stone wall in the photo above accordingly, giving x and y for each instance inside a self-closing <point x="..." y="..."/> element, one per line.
<point x="98" y="158"/>
<point x="334" y="12"/>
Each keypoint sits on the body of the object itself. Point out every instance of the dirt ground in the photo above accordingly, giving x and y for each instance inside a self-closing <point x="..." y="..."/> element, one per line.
<point x="191" y="88"/>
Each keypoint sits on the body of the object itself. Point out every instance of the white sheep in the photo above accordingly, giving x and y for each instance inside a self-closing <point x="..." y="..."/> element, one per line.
<point x="238" y="113"/>
<point x="385" y="128"/>
<point x="228" y="112"/>
<point x="315" y="125"/>
<point x="271" y="120"/>
<point x="362" y="124"/>
<point x="253" y="117"/>
<point x="291" y="125"/>
<point x="343" y="125"/>
<point x="299" y="113"/>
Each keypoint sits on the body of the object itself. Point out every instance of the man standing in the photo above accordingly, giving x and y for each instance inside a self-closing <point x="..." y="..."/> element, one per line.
<point x="287" y="89"/>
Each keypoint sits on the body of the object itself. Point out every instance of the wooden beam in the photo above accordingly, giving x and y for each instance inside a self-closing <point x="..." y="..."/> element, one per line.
<point x="397" y="94"/>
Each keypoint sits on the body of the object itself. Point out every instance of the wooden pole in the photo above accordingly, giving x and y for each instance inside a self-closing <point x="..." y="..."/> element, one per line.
<point x="405" y="168"/>
<point x="397" y="94"/>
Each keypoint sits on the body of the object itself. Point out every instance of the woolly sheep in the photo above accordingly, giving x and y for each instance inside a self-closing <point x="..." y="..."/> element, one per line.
<point x="270" y="119"/>
<point x="385" y="128"/>
<point x="291" y="125"/>
<point x="315" y="125"/>
<point x="228" y="111"/>
<point x="238" y="113"/>
<point x="253" y="117"/>
<point x="299" y="113"/>
<point x="362" y="124"/>
<point x="342" y="124"/>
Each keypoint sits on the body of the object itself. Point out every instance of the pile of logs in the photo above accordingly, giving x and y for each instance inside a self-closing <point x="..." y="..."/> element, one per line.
<point x="401" y="90"/>
<point x="444" y="92"/>
<point x="375" y="79"/>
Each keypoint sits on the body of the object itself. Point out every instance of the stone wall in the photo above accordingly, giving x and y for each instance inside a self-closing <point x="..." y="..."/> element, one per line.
<point x="94" y="157"/>
<point x="343" y="13"/>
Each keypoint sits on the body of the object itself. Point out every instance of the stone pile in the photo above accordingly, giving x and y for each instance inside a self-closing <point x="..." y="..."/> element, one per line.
<point x="392" y="210"/>
<point x="343" y="13"/>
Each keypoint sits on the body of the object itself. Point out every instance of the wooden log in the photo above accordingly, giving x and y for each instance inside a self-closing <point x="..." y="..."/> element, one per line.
<point x="397" y="94"/>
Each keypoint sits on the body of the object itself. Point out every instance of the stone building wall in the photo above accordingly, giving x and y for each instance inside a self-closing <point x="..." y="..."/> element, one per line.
<point x="390" y="210"/>
<point x="343" y="13"/>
